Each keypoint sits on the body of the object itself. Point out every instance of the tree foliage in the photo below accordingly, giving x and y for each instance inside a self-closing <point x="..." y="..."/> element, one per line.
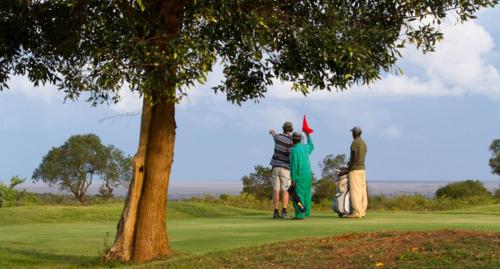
<point x="98" y="46"/>
<point x="463" y="189"/>
<point x="117" y="171"/>
<point x="495" y="156"/>
<point x="80" y="161"/>
<point x="10" y="196"/>
<point x="259" y="183"/>
<point x="325" y="188"/>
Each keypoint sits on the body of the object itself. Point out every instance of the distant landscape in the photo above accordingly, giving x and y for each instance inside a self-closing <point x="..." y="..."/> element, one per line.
<point x="189" y="188"/>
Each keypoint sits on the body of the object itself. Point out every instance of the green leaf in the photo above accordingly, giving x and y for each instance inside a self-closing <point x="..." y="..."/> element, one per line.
<point x="141" y="5"/>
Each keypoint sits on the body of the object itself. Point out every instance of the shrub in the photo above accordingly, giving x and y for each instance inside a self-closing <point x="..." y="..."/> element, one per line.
<point x="12" y="197"/>
<point x="259" y="183"/>
<point x="418" y="202"/>
<point x="243" y="200"/>
<point x="497" y="195"/>
<point x="463" y="189"/>
<point x="324" y="189"/>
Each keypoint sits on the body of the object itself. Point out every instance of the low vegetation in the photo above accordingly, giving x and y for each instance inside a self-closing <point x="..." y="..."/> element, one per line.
<point x="437" y="249"/>
<point x="9" y="196"/>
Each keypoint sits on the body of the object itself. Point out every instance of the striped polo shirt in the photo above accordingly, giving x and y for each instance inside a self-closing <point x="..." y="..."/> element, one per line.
<point x="282" y="146"/>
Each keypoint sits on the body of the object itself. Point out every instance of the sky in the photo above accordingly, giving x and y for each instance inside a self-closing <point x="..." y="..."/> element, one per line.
<point x="433" y="123"/>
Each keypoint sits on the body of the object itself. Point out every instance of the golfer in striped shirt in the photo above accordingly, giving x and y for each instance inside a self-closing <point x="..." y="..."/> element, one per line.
<point x="280" y="163"/>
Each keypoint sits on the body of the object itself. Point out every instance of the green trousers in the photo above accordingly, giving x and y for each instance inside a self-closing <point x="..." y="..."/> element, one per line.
<point x="303" y="190"/>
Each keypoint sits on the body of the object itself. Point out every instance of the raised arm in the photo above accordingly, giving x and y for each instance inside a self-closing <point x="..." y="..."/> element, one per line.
<point x="310" y="145"/>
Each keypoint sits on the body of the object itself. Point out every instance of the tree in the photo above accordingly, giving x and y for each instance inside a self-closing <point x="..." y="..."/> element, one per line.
<point x="159" y="48"/>
<point x="78" y="162"/>
<point x="463" y="189"/>
<point x="325" y="187"/>
<point x="259" y="183"/>
<point x="117" y="172"/>
<point x="495" y="156"/>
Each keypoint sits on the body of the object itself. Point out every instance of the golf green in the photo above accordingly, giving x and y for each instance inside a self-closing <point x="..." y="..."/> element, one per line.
<point x="47" y="237"/>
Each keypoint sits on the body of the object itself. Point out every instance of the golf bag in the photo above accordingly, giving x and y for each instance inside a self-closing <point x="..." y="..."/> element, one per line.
<point x="342" y="199"/>
<point x="296" y="199"/>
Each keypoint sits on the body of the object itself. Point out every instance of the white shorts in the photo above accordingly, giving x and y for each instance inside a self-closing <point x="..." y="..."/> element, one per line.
<point x="281" y="178"/>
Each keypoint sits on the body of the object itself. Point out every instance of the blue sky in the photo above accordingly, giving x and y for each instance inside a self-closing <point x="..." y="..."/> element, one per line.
<point x="435" y="122"/>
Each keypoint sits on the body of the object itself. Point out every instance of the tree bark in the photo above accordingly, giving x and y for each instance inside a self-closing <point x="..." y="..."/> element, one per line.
<point x="141" y="233"/>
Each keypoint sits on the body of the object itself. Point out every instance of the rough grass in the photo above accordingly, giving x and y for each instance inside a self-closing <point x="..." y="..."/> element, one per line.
<point x="73" y="236"/>
<point x="437" y="249"/>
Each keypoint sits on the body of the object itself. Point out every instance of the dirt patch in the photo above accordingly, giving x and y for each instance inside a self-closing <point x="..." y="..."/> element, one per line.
<point x="387" y="249"/>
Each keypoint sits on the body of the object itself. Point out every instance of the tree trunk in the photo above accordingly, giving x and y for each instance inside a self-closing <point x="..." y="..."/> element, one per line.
<point x="141" y="233"/>
<point x="81" y="198"/>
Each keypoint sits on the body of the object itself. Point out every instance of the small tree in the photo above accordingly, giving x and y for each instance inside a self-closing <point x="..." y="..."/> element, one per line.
<point x="325" y="187"/>
<point x="463" y="189"/>
<point x="259" y="183"/>
<point x="9" y="196"/>
<point x="117" y="172"/>
<point x="76" y="164"/>
<point x="495" y="156"/>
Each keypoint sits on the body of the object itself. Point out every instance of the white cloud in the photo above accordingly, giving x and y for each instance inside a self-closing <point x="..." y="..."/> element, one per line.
<point x="45" y="93"/>
<point x="458" y="67"/>
<point x="129" y="102"/>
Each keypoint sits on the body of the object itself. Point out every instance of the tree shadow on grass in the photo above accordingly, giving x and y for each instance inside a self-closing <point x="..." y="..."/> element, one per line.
<point x="31" y="258"/>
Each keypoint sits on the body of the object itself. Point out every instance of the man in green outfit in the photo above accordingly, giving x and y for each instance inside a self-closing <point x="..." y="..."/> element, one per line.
<point x="300" y="173"/>
<point x="357" y="175"/>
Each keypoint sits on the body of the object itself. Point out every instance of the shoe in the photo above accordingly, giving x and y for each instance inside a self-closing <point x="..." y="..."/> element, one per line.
<point x="284" y="215"/>
<point x="353" y="216"/>
<point x="276" y="215"/>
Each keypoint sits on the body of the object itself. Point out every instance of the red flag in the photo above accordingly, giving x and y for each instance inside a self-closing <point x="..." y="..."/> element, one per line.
<point x="305" y="126"/>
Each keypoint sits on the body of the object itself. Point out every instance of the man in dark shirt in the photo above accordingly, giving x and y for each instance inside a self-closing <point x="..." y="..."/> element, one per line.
<point x="280" y="163"/>
<point x="357" y="175"/>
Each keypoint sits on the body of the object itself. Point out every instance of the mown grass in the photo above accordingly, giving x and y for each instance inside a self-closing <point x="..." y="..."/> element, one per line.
<point x="72" y="236"/>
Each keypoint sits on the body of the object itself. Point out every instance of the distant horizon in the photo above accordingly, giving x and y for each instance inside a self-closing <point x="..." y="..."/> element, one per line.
<point x="189" y="188"/>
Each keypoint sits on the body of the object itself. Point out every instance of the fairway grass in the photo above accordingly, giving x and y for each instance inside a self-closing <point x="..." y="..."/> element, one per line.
<point x="69" y="237"/>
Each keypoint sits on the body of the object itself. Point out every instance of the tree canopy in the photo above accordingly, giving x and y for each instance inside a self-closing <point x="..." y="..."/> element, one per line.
<point x="99" y="46"/>
<point x="259" y="183"/>
<point x="80" y="161"/>
<point x="325" y="188"/>
<point x="495" y="156"/>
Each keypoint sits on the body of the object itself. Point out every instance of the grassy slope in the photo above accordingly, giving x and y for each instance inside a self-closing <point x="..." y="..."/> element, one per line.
<point x="47" y="236"/>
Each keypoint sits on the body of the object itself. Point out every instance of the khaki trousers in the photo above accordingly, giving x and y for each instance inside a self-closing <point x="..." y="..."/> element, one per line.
<point x="359" y="197"/>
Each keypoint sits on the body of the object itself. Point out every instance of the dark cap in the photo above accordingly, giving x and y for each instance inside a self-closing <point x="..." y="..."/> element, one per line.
<point x="296" y="136"/>
<point x="287" y="127"/>
<point x="356" y="130"/>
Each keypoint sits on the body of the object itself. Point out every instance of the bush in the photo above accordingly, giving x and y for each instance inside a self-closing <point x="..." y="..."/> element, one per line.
<point x="66" y="199"/>
<point x="497" y="195"/>
<point x="12" y="197"/>
<point x="324" y="189"/>
<point x="244" y="200"/>
<point x="463" y="189"/>
<point x="259" y="183"/>
<point x="418" y="202"/>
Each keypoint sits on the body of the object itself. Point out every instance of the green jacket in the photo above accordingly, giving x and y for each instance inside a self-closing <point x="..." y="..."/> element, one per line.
<point x="300" y="166"/>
